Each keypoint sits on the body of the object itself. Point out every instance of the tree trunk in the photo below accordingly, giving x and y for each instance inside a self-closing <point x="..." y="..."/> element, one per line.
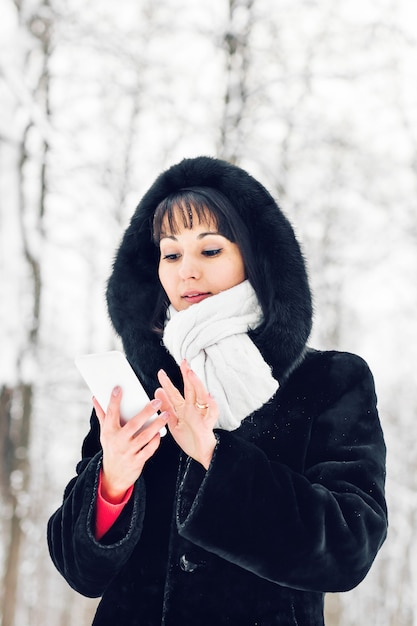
<point x="16" y="414"/>
<point x="236" y="42"/>
<point x="17" y="400"/>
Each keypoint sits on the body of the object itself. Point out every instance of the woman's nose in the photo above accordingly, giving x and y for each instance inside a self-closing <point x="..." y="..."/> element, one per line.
<point x="188" y="268"/>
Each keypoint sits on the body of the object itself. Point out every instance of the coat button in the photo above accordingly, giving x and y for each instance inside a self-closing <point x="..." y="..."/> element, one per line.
<point x="188" y="566"/>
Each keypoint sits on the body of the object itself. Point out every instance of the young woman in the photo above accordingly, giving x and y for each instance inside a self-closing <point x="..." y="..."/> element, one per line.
<point x="268" y="490"/>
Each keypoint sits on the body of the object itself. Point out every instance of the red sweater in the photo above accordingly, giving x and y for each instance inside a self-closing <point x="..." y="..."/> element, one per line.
<point x="106" y="512"/>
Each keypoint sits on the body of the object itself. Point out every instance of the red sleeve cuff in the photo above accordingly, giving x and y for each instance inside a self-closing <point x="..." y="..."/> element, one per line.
<point x="106" y="512"/>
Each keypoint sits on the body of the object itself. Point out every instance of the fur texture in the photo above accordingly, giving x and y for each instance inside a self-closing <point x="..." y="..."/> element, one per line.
<point x="292" y="505"/>
<point x="133" y="286"/>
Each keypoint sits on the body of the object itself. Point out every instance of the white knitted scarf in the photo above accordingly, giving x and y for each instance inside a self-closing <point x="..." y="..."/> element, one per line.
<point x="212" y="336"/>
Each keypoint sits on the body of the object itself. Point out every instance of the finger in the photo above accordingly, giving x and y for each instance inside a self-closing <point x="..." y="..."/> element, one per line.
<point x="201" y="394"/>
<point x="213" y="407"/>
<point x="151" y="426"/>
<point x="162" y="395"/>
<point x="172" y="392"/>
<point x="149" y="438"/>
<point x="150" y="448"/>
<point x="112" y="415"/>
<point x="189" y="389"/>
<point x="133" y="425"/>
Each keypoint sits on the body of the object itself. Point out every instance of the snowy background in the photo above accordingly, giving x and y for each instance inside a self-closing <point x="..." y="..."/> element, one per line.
<point x="316" y="98"/>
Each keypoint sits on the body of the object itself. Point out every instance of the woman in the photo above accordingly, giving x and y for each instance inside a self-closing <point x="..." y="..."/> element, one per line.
<point x="268" y="490"/>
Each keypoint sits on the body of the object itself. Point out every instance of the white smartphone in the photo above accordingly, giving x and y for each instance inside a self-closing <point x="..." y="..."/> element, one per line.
<point x="102" y="372"/>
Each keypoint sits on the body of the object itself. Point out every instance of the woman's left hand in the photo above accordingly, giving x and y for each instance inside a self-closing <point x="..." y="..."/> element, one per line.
<point x="192" y="417"/>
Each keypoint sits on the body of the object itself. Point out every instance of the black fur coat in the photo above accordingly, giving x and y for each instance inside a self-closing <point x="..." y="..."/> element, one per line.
<point x="292" y="505"/>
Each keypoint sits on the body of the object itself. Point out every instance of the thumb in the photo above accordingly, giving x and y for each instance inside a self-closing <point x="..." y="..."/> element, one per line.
<point x="167" y="405"/>
<point x="110" y="418"/>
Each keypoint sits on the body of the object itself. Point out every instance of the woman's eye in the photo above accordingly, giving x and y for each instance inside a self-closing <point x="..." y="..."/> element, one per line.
<point x="171" y="257"/>
<point x="213" y="252"/>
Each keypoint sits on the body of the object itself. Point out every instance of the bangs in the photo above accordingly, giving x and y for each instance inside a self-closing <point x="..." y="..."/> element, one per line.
<point x="180" y="210"/>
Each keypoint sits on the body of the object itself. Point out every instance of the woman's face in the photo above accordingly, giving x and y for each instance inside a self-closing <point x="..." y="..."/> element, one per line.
<point x="197" y="262"/>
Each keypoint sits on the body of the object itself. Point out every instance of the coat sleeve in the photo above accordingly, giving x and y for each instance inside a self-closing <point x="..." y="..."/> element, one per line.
<point x="89" y="565"/>
<point x="318" y="529"/>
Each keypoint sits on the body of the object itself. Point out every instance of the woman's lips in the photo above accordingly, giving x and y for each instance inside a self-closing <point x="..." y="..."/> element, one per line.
<point x="195" y="297"/>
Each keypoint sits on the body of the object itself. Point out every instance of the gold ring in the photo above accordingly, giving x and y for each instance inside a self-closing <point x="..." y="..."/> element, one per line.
<point x="202" y="406"/>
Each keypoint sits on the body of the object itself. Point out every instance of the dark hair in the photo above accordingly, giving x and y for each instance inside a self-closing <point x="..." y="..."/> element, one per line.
<point x="206" y="203"/>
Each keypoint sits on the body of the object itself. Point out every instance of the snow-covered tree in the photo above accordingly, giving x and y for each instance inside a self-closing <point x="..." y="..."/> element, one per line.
<point x="318" y="100"/>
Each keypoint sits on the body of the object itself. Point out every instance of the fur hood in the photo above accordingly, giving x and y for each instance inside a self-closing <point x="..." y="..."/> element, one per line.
<point x="134" y="285"/>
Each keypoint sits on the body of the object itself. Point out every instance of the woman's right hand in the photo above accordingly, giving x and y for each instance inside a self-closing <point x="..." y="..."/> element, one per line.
<point x="125" y="451"/>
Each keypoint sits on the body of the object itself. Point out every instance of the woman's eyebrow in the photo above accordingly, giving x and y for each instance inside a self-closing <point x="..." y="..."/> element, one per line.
<point x="199" y="236"/>
<point x="209" y="232"/>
